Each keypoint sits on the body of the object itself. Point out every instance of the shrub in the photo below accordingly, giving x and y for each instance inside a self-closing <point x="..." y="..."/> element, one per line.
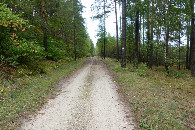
<point x="24" y="51"/>
<point x="176" y="74"/>
<point x="56" y="50"/>
<point x="141" y="71"/>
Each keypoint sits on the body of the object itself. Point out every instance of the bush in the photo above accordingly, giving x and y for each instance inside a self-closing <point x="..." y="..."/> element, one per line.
<point x="56" y="51"/>
<point x="24" y="51"/>
<point x="141" y="71"/>
<point x="176" y="74"/>
<point x="15" y="50"/>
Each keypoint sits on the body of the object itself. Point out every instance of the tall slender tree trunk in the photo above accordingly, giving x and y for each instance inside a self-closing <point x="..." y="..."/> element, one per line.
<point x="167" y="49"/>
<point x="143" y="53"/>
<point x="104" y="29"/>
<point x="75" y="50"/>
<point x="158" y="44"/>
<point x="44" y="26"/>
<point x="139" y="39"/>
<point x="117" y="46"/>
<point x="120" y="27"/>
<point x="179" y="63"/>
<point x="192" y="41"/>
<point x="148" y="34"/>
<point x="187" y="51"/>
<point x="136" y="40"/>
<point x="151" y="38"/>
<point x="74" y="25"/>
<point x="166" y="24"/>
<point x="123" y="58"/>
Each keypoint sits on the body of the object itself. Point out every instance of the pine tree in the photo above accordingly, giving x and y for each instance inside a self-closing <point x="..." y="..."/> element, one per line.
<point x="123" y="57"/>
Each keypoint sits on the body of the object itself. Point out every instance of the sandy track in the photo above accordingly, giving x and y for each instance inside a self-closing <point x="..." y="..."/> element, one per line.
<point x="88" y="101"/>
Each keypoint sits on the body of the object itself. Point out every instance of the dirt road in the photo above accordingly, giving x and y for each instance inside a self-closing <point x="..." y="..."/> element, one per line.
<point x="88" y="101"/>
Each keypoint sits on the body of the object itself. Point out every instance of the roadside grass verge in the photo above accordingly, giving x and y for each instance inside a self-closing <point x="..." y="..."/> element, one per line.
<point x="159" y="101"/>
<point x="27" y="93"/>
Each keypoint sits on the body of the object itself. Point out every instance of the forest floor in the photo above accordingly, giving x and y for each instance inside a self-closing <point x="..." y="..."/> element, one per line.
<point x="89" y="99"/>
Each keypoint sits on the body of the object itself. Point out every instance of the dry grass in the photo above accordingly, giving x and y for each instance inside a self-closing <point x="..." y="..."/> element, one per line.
<point x="160" y="101"/>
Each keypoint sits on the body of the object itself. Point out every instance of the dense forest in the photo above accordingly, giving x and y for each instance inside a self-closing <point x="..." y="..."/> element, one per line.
<point x="155" y="32"/>
<point x="38" y="29"/>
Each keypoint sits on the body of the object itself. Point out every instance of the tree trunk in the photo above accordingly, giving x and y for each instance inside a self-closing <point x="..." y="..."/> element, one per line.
<point x="167" y="49"/>
<point x="104" y="29"/>
<point x="136" y="40"/>
<point x="123" y="58"/>
<point x="120" y="27"/>
<point x="187" y="51"/>
<point x="44" y="26"/>
<point x="117" y="46"/>
<point x="158" y="41"/>
<point x="179" y="63"/>
<point x="166" y="24"/>
<point x="75" y="50"/>
<point x="139" y="39"/>
<point x="192" y="41"/>
<point x="148" y="35"/>
<point x="74" y="22"/>
<point x="151" y="38"/>
<point x="143" y="53"/>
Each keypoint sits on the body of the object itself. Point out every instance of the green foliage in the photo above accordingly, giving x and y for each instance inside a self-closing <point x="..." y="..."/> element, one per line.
<point x="56" y="50"/>
<point x="110" y="45"/>
<point x="10" y="20"/>
<point x="143" y="123"/>
<point x="21" y="51"/>
<point x="21" y="41"/>
<point x="141" y="71"/>
<point x="176" y="74"/>
<point x="24" y="51"/>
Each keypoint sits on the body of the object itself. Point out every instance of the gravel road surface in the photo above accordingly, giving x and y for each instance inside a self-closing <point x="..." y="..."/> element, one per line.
<point x="88" y="100"/>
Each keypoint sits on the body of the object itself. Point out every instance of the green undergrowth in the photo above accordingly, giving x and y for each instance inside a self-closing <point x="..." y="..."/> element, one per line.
<point x="26" y="90"/>
<point x="159" y="101"/>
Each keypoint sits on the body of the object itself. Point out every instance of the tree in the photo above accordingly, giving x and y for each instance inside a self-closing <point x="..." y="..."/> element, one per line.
<point x="188" y="48"/>
<point x="55" y="34"/>
<point x="151" y="38"/>
<point x="117" y="44"/>
<point x="74" y="22"/>
<point x="101" y="14"/>
<point x="192" y="40"/>
<point x="44" y="26"/>
<point x="136" y="38"/>
<point x="104" y="29"/>
<point x="123" y="57"/>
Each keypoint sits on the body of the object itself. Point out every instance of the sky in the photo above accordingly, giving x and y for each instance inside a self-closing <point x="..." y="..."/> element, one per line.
<point x="92" y="25"/>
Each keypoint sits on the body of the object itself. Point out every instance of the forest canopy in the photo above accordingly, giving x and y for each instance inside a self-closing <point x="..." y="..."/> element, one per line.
<point x="155" y="32"/>
<point x="39" y="29"/>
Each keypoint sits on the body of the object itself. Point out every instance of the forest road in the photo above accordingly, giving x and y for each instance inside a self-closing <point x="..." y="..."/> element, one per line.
<point x="88" y="100"/>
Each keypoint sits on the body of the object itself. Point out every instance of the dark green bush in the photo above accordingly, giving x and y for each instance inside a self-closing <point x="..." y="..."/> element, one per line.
<point x="56" y="50"/>
<point x="24" y="51"/>
<point x="141" y="71"/>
